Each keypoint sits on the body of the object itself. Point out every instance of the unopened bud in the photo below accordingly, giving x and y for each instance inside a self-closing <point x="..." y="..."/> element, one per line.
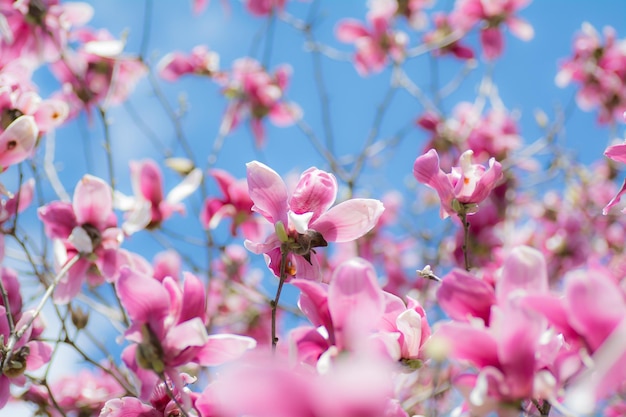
<point x="279" y="228"/>
<point x="80" y="318"/>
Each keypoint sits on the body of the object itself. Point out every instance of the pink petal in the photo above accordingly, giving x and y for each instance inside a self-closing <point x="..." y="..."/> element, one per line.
<point x="492" y="41"/>
<point x="349" y="30"/>
<point x="39" y="355"/>
<point x="615" y="200"/>
<point x="128" y="407"/>
<point x="524" y="271"/>
<point x="149" y="179"/>
<point x="426" y="170"/>
<point x="617" y="152"/>
<point x="222" y="348"/>
<point x="313" y="302"/>
<point x="315" y="193"/>
<point x="17" y="141"/>
<point x="268" y="192"/>
<point x="144" y="297"/>
<point x="173" y="65"/>
<point x="224" y="181"/>
<point x="58" y="219"/>
<point x="191" y="333"/>
<point x="520" y="28"/>
<point x="193" y="298"/>
<point x="93" y="202"/>
<point x="349" y="220"/>
<point x="469" y="343"/>
<point x="463" y="296"/>
<point x="355" y="300"/>
<point x="284" y="114"/>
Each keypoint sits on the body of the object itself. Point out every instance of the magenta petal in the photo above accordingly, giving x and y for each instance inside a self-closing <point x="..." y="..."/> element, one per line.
<point x="349" y="30"/>
<point x="144" y="297"/>
<point x="268" y="192"/>
<point x="193" y="298"/>
<point x="149" y="178"/>
<point x="617" y="152"/>
<point x="58" y="219"/>
<point x="5" y="390"/>
<point x="224" y="181"/>
<point x="314" y="302"/>
<point x="349" y="220"/>
<point x="492" y="41"/>
<point x="426" y="170"/>
<point x="469" y="343"/>
<point x="93" y="201"/>
<point x="222" y="348"/>
<point x="463" y="296"/>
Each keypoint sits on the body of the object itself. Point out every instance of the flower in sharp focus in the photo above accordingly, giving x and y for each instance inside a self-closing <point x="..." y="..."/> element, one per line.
<point x="304" y="219"/>
<point x="463" y="188"/>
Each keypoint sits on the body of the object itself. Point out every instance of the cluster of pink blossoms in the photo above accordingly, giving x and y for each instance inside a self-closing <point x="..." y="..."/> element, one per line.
<point x="597" y="66"/>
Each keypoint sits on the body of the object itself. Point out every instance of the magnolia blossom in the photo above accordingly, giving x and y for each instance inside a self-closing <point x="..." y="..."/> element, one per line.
<point x="467" y="185"/>
<point x="304" y="220"/>
<point x="148" y="208"/>
<point x="493" y="14"/>
<point x="201" y="61"/>
<point x="373" y="45"/>
<point x="86" y="228"/>
<point x="255" y="94"/>
<point x="235" y="204"/>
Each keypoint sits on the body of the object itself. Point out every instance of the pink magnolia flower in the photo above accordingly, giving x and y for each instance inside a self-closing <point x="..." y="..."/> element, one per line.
<point x="599" y="67"/>
<point x="256" y="94"/>
<point x="374" y="45"/>
<point x="264" y="7"/>
<point x="201" y="61"/>
<point x="467" y="185"/>
<point x="493" y="15"/>
<point x="37" y="31"/>
<point x="616" y="153"/>
<point x="169" y="325"/>
<point x="235" y="204"/>
<point x="149" y="208"/>
<point x="97" y="73"/>
<point x="304" y="219"/>
<point x="443" y="37"/>
<point x="27" y="354"/>
<point x="86" y="228"/>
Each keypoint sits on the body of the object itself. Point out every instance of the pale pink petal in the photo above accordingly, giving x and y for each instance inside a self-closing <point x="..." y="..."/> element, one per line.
<point x="349" y="220"/>
<point x="308" y="270"/>
<point x="17" y="141"/>
<point x="77" y="13"/>
<point x="270" y="243"/>
<point x="268" y="192"/>
<point x="222" y="348"/>
<point x="128" y="407"/>
<point x="258" y="131"/>
<point x="39" y="355"/>
<point x="524" y="271"/>
<point x="184" y="335"/>
<point x="313" y="302"/>
<point x="520" y="28"/>
<point x="70" y="285"/>
<point x="186" y="187"/>
<point x="355" y="300"/>
<point x="93" y="201"/>
<point x="350" y="30"/>
<point x="410" y="326"/>
<point x="285" y="114"/>
<point x="615" y="200"/>
<point x="466" y="342"/>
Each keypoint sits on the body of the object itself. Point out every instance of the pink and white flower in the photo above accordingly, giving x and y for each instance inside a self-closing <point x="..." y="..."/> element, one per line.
<point x="304" y="220"/>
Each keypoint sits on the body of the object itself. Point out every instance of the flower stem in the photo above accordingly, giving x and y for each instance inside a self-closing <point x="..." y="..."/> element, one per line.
<point x="274" y="303"/>
<point x="466" y="225"/>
